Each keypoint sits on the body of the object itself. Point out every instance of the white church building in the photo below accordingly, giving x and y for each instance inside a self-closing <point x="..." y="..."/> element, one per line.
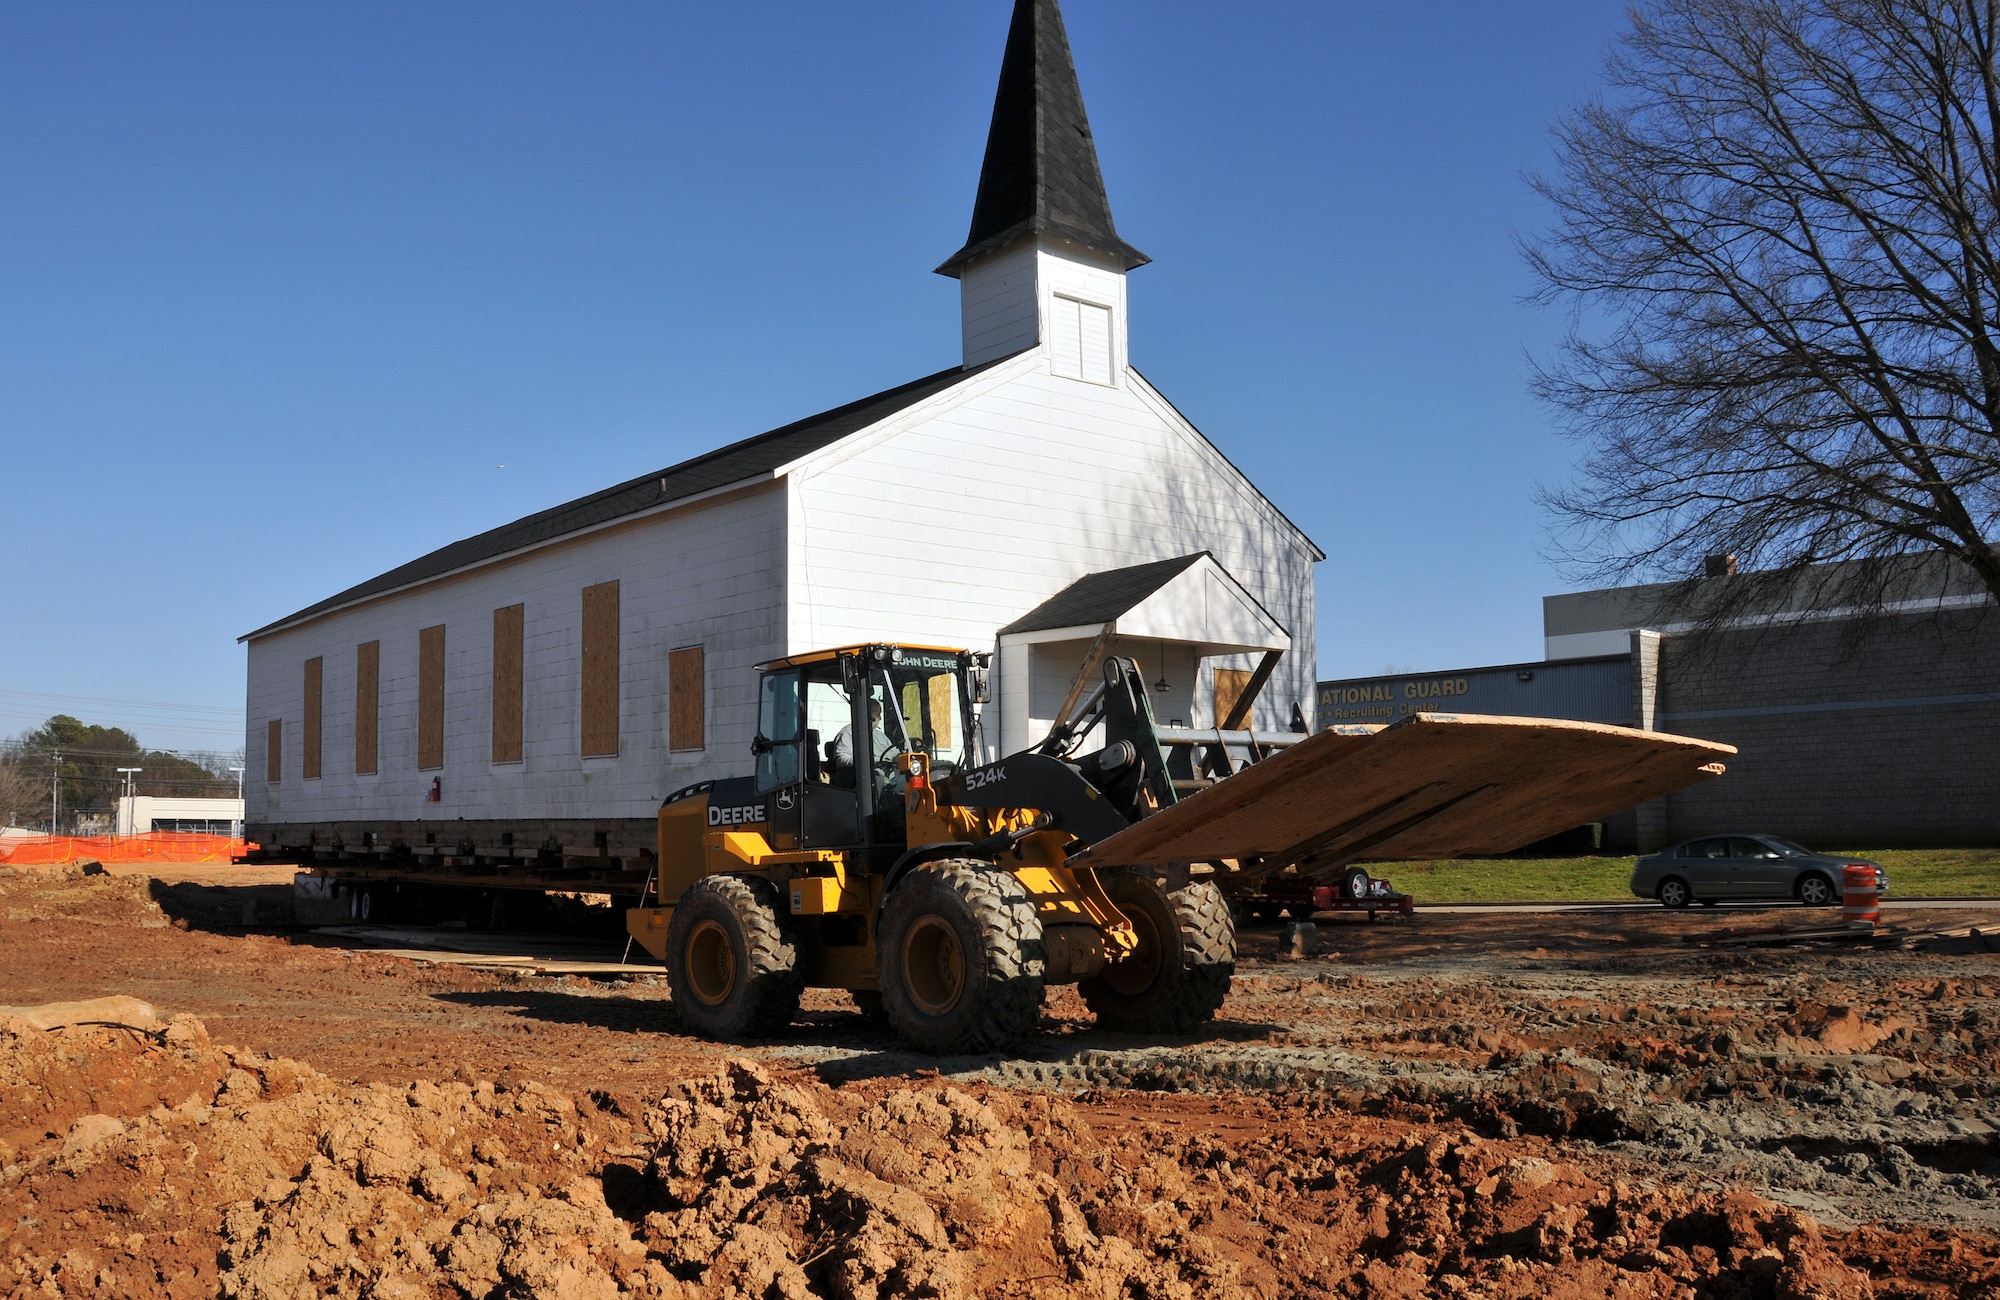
<point x="568" y="670"/>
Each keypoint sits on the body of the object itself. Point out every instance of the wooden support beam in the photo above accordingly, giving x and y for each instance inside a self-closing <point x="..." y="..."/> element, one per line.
<point x="1091" y="660"/>
<point x="1239" y="712"/>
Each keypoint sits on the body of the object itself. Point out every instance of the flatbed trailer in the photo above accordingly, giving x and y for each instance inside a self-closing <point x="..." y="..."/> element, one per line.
<point x="481" y="895"/>
<point x="1301" y="898"/>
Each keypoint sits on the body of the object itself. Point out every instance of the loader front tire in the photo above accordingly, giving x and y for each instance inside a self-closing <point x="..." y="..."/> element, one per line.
<point x="1177" y="978"/>
<point x="732" y="962"/>
<point x="959" y="958"/>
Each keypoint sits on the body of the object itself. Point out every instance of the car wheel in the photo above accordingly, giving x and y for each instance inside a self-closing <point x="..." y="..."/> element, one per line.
<point x="1674" y="892"/>
<point x="1816" y="890"/>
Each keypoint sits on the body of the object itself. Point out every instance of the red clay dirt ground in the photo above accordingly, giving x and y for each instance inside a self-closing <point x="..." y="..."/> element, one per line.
<point x="1566" y="1104"/>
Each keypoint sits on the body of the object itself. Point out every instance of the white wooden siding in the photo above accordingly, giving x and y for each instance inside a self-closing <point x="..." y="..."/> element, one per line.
<point x="1094" y="342"/>
<point x="710" y="575"/>
<point x="1054" y="665"/>
<point x="949" y="524"/>
<point x="998" y="307"/>
<point x="1039" y="290"/>
<point x="1065" y="338"/>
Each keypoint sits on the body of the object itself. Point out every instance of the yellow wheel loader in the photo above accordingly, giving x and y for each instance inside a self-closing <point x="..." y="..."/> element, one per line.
<point x="871" y="851"/>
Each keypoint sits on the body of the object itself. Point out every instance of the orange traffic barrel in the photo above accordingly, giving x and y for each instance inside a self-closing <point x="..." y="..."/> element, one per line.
<point x="1861" y="901"/>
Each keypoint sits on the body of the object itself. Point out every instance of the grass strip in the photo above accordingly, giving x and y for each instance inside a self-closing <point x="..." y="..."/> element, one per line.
<point x="1913" y="873"/>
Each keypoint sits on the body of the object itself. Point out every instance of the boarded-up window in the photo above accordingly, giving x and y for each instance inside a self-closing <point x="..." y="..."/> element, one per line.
<point x="1080" y="340"/>
<point x="274" y="751"/>
<point x="943" y="690"/>
<point x="367" y="705"/>
<point x="600" y="669"/>
<point x="1230" y="683"/>
<point x="430" y="698"/>
<point x="687" y="699"/>
<point x="309" y="767"/>
<point x="507" y="684"/>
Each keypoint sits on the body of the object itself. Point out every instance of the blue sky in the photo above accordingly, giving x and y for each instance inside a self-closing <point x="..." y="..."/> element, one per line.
<point x="282" y="286"/>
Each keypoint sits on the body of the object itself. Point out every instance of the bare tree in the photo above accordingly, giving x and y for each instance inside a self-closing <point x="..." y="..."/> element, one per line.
<point x="1777" y="233"/>
<point x="24" y="790"/>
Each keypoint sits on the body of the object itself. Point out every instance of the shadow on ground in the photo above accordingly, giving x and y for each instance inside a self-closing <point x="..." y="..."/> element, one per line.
<point x="224" y="909"/>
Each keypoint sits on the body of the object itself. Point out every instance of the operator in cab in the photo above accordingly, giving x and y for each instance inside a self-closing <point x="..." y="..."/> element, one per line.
<point x="884" y="750"/>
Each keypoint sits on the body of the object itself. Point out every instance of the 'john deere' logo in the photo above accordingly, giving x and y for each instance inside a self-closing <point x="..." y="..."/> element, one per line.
<point x="736" y="816"/>
<point x="786" y="798"/>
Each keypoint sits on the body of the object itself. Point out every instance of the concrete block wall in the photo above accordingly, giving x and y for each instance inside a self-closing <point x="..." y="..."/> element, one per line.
<point x="1850" y="738"/>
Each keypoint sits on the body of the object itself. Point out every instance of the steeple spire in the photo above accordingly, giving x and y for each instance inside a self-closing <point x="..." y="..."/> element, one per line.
<point x="1040" y="175"/>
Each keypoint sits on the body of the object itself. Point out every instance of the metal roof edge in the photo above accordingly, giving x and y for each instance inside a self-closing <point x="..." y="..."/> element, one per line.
<point x="314" y="614"/>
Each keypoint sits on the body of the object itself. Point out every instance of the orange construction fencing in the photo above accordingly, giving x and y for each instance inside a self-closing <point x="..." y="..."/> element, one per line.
<point x="154" y="846"/>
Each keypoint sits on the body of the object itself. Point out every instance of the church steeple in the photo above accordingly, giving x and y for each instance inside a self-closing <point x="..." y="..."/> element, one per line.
<point x="1043" y="265"/>
<point x="1040" y="176"/>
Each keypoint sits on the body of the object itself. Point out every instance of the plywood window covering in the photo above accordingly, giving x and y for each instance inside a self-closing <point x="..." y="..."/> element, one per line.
<point x="507" y="684"/>
<point x="367" y="705"/>
<point x="1230" y="683"/>
<point x="600" y="669"/>
<point x="309" y="767"/>
<point x="687" y="699"/>
<point x="430" y="698"/>
<point x="274" y="751"/>
<point x="943" y="688"/>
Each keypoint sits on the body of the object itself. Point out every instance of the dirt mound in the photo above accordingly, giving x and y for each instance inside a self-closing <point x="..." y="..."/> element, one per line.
<point x="78" y="892"/>
<point x="158" y="1163"/>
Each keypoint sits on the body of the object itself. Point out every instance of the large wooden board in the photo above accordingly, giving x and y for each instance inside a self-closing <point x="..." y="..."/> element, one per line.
<point x="1435" y="785"/>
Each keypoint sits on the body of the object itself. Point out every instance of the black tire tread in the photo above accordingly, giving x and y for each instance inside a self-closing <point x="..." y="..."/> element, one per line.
<point x="775" y="976"/>
<point x="1190" y="995"/>
<point x="1010" y="1004"/>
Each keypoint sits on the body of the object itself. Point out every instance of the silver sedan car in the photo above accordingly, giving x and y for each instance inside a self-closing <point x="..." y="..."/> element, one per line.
<point x="1719" y="868"/>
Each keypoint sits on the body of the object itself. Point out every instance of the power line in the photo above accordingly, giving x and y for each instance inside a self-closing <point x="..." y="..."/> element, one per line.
<point x="221" y="710"/>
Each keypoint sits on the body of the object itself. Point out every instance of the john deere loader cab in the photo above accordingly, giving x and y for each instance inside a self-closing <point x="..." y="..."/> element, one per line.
<point x="833" y="728"/>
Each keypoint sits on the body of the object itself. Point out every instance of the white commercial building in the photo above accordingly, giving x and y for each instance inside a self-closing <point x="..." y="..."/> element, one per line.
<point x="565" y="672"/>
<point x="142" y="814"/>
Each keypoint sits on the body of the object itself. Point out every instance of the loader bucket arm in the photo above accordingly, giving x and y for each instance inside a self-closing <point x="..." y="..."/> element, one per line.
<point x="1435" y="785"/>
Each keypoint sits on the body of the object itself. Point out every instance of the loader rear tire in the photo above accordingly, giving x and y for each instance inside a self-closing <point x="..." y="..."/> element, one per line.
<point x="959" y="958"/>
<point x="1179" y="975"/>
<point x="732" y="961"/>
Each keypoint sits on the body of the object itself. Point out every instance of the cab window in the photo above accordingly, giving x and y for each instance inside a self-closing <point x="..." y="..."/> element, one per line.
<point x="778" y="724"/>
<point x="928" y="706"/>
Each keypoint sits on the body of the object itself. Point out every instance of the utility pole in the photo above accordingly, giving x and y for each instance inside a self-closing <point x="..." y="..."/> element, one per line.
<point x="239" y="802"/>
<point x="130" y="799"/>
<point x="55" y="793"/>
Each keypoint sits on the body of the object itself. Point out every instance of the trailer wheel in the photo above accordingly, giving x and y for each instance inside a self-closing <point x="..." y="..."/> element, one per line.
<point x="959" y="958"/>
<point x="732" y="963"/>
<point x="1179" y="975"/>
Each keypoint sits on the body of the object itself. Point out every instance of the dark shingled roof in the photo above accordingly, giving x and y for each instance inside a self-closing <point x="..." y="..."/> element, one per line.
<point x="1040" y="174"/>
<point x="1101" y="597"/>
<point x="732" y="464"/>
